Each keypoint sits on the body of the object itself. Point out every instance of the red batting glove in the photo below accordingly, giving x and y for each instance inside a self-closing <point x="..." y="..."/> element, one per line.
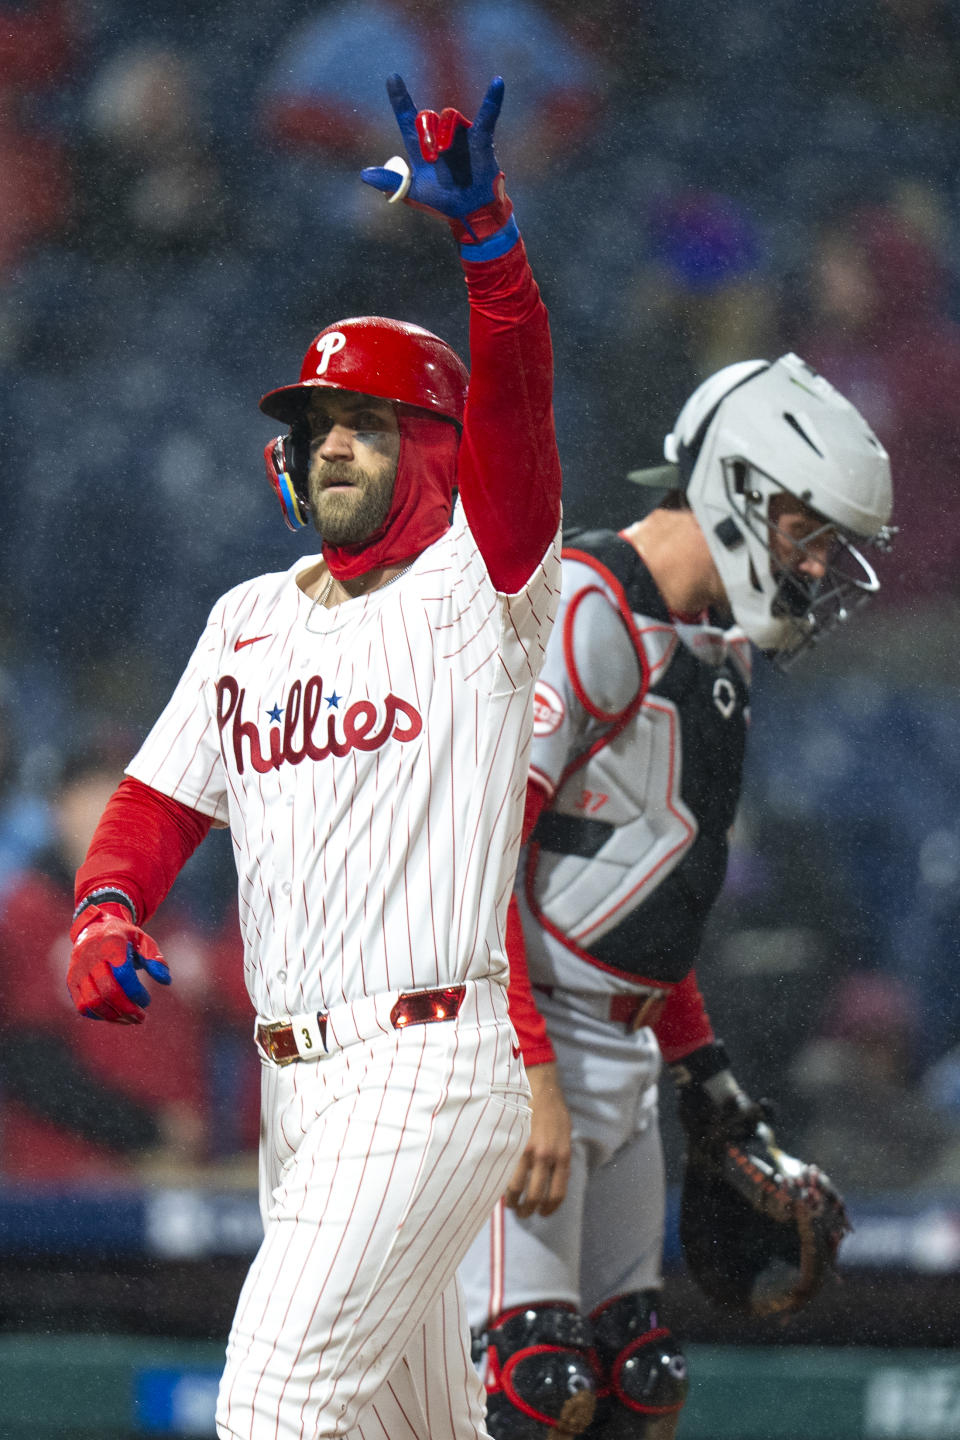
<point x="108" y="950"/>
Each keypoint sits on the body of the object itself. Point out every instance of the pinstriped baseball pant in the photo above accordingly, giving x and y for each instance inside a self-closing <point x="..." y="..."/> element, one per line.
<point x="379" y="1164"/>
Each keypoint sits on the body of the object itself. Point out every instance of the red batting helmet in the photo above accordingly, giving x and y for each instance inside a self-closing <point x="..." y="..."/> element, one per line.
<point x="374" y="356"/>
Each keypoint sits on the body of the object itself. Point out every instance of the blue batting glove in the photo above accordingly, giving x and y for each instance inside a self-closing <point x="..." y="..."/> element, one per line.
<point x="126" y="974"/>
<point x="451" y="170"/>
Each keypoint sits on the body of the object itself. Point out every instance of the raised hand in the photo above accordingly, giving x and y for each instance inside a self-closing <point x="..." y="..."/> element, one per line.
<point x="451" y="168"/>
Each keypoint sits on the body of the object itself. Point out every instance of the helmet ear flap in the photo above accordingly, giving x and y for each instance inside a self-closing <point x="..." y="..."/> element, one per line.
<point x="286" y="460"/>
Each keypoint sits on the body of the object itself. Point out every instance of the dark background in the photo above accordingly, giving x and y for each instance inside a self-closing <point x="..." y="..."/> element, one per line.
<point x="180" y="212"/>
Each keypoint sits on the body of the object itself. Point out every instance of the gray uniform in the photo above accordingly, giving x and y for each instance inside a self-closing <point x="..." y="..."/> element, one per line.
<point x="640" y="725"/>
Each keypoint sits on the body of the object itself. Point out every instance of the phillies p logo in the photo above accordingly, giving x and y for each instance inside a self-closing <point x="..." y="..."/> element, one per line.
<point x="328" y="346"/>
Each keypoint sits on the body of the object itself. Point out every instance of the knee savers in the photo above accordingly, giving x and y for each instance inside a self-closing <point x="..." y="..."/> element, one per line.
<point x="539" y="1375"/>
<point x="644" y="1380"/>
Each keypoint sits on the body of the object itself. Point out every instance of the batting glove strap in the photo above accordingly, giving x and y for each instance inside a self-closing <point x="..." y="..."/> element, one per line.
<point x="107" y="894"/>
<point x="493" y="247"/>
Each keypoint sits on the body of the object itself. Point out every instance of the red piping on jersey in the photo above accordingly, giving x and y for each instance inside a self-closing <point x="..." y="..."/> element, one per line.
<point x="623" y="605"/>
<point x="681" y="845"/>
<point x="533" y="856"/>
<point x="625" y="716"/>
<point x="622" y="718"/>
<point x="607" y="716"/>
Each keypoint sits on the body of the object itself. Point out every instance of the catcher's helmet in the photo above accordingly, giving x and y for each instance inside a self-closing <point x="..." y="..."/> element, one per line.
<point x="755" y="430"/>
<point x="390" y="359"/>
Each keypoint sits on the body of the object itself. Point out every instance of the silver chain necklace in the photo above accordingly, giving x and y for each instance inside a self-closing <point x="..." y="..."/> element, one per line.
<point x="321" y="598"/>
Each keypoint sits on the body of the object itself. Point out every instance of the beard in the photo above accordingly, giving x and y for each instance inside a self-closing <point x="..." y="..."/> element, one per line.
<point x="347" y="517"/>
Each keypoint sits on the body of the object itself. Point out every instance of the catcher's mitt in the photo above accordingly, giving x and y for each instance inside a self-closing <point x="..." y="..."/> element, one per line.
<point x="760" y="1229"/>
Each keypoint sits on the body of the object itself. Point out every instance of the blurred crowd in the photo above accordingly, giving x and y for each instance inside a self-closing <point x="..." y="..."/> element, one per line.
<point x="180" y="212"/>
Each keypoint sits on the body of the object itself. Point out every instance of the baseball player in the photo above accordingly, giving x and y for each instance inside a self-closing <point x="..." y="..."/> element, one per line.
<point x="362" y="724"/>
<point x="773" y="483"/>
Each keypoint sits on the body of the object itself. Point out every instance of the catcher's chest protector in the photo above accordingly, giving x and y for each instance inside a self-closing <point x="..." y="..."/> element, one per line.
<point x="640" y="726"/>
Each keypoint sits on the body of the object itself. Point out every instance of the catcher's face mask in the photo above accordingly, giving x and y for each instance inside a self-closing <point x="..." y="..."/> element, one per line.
<point x="805" y="573"/>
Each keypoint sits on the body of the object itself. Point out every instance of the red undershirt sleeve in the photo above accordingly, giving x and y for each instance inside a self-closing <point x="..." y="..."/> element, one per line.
<point x="684" y="1024"/>
<point x="529" y="1024"/>
<point x="509" y="470"/>
<point x="531" y="1030"/>
<point x="142" y="842"/>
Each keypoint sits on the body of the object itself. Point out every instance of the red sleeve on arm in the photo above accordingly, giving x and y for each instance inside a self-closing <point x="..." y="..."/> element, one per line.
<point x="141" y="844"/>
<point x="684" y="1024"/>
<point x="531" y="1031"/>
<point x="509" y="470"/>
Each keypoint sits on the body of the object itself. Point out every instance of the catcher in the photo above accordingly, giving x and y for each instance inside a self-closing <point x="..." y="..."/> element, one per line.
<point x="773" y="488"/>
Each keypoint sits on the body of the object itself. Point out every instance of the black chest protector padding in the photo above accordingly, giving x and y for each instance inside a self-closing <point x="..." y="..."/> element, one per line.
<point x="660" y="938"/>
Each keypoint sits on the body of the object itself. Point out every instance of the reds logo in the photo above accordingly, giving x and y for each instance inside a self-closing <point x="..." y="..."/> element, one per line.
<point x="329" y="345"/>
<point x="301" y="737"/>
<point x="548" y="710"/>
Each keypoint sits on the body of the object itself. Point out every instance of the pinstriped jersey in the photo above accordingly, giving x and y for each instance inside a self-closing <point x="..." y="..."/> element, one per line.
<point x="640" y="728"/>
<point x="371" y="762"/>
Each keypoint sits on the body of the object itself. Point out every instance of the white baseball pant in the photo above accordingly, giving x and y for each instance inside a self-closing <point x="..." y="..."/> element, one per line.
<point x="379" y="1164"/>
<point x="607" y="1237"/>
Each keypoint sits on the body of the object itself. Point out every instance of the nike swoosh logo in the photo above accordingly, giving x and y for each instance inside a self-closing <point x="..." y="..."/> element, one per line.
<point x="252" y="641"/>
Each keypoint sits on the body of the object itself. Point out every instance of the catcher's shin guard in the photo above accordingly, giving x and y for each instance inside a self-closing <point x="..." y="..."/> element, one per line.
<point x="644" y="1380"/>
<point x="540" y="1379"/>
